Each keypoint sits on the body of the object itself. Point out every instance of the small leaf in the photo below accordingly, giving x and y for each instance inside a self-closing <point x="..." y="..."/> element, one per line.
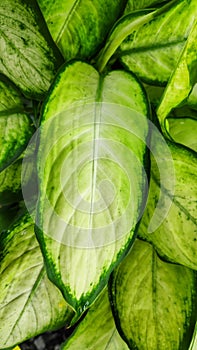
<point x="176" y="238"/>
<point x="91" y="177"/>
<point x="154" y="302"/>
<point x="28" y="55"/>
<point x="29" y="303"/>
<point x="182" y="80"/>
<point x="183" y="131"/>
<point x="97" y="330"/>
<point x="80" y="27"/>
<point x="16" y="127"/>
<point x="152" y="50"/>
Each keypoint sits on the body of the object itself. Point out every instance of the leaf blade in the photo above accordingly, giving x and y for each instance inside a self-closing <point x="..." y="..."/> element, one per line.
<point x="182" y="80"/>
<point x="154" y="57"/>
<point x="16" y="127"/>
<point x="76" y="239"/>
<point x="78" y="32"/>
<point x="29" y="57"/>
<point x="175" y="238"/>
<point x="37" y="303"/>
<point x="97" y="329"/>
<point x="161" y="314"/>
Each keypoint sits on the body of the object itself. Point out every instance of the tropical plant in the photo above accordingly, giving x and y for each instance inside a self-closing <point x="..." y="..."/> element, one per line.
<point x="98" y="173"/>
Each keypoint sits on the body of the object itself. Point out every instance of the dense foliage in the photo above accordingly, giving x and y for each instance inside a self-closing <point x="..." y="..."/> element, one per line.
<point x="98" y="173"/>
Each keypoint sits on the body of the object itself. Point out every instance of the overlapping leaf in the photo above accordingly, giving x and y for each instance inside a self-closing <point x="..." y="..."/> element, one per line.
<point x="183" y="131"/>
<point x="91" y="177"/>
<point x="79" y="27"/>
<point x="15" y="126"/>
<point x="133" y="5"/>
<point x="182" y="80"/>
<point x="28" y="55"/>
<point x="29" y="302"/>
<point x="192" y="98"/>
<point x="154" y="302"/>
<point x="10" y="183"/>
<point x="152" y="51"/>
<point x="176" y="237"/>
<point x="97" y="330"/>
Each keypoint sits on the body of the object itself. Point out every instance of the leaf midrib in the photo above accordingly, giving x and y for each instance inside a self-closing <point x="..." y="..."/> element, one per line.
<point x="64" y="25"/>
<point x="174" y="200"/>
<point x="34" y="287"/>
<point x="151" y="48"/>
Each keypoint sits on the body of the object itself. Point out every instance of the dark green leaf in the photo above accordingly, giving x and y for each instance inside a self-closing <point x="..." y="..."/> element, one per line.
<point x="97" y="330"/>
<point x="10" y="183"/>
<point x="29" y="303"/>
<point x="28" y="55"/>
<point x="152" y="50"/>
<point x="79" y="27"/>
<point x="154" y="301"/>
<point x="176" y="237"/>
<point x="15" y="126"/>
<point x="91" y="177"/>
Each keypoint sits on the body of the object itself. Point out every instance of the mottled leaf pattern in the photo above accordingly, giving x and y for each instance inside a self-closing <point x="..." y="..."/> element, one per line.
<point x="28" y="55"/>
<point x="176" y="238"/>
<point x="97" y="330"/>
<point x="152" y="51"/>
<point x="154" y="302"/>
<point x="89" y="174"/>
<point x="15" y="126"/>
<point x="30" y="303"/>
<point x="80" y="27"/>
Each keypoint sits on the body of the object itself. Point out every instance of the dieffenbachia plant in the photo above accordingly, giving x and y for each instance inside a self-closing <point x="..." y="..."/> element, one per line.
<point x="98" y="170"/>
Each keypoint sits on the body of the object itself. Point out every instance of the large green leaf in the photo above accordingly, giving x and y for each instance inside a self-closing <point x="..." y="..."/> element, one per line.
<point x="183" y="130"/>
<point x="176" y="237"/>
<point x="10" y="183"/>
<point x="133" y="5"/>
<point x="154" y="301"/>
<point x="152" y="51"/>
<point x="79" y="27"/>
<point x="28" y="55"/>
<point x="29" y="303"/>
<point x="182" y="80"/>
<point x="91" y="177"/>
<point x="97" y="330"/>
<point x="15" y="126"/>
<point x="192" y="98"/>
